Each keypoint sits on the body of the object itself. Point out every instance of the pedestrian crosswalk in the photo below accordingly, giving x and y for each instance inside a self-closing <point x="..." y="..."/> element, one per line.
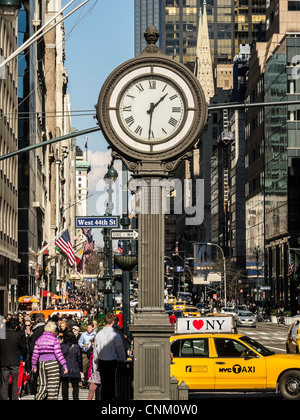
<point x="83" y="395"/>
<point x="271" y="336"/>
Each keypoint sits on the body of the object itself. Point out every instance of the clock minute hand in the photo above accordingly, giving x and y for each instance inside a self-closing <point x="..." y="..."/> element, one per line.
<point x="150" y="112"/>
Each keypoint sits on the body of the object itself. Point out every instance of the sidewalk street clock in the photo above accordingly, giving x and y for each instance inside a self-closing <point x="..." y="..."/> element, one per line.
<point x="151" y="108"/>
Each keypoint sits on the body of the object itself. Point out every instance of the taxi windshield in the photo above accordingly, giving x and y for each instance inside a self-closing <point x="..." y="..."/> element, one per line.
<point x="257" y="346"/>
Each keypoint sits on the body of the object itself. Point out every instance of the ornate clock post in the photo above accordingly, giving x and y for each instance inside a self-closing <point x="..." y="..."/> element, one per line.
<point x="151" y="111"/>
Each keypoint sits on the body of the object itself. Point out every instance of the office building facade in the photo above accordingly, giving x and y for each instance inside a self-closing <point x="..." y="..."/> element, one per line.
<point x="273" y="157"/>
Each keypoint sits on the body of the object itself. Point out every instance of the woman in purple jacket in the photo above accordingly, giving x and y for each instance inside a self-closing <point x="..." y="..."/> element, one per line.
<point x="47" y="356"/>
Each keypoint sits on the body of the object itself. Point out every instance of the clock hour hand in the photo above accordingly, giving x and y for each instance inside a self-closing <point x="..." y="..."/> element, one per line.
<point x="150" y="110"/>
<point x="161" y="99"/>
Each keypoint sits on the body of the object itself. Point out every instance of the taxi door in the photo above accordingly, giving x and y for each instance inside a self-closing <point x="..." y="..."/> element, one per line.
<point x="191" y="362"/>
<point x="235" y="371"/>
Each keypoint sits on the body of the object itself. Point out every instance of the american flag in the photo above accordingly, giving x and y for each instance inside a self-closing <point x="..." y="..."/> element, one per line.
<point x="63" y="244"/>
<point x="291" y="266"/>
<point x="88" y="247"/>
<point x="120" y="247"/>
<point x="88" y="234"/>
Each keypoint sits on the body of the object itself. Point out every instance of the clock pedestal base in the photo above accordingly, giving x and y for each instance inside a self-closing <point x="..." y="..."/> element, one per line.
<point x="151" y="334"/>
<point x="151" y="328"/>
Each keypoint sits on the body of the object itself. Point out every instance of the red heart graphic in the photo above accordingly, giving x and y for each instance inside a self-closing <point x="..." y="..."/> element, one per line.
<point x="198" y="324"/>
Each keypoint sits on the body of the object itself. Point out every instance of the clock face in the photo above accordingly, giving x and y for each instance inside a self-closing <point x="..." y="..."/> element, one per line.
<point x="151" y="108"/>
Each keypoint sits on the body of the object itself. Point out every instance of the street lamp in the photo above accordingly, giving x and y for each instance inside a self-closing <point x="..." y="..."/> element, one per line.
<point x="257" y="254"/>
<point x="225" y="293"/>
<point x="109" y="178"/>
<point x="9" y="9"/>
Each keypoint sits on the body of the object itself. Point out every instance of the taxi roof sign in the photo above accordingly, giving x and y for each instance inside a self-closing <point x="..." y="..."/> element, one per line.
<point x="205" y="325"/>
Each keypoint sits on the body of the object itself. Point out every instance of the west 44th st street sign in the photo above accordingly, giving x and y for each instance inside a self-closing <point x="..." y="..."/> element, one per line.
<point x="98" y="222"/>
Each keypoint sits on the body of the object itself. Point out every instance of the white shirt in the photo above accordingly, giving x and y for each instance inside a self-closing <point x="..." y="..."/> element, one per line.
<point x="108" y="345"/>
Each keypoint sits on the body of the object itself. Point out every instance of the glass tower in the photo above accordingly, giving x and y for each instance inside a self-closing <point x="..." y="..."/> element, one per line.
<point x="146" y="13"/>
<point x="230" y="23"/>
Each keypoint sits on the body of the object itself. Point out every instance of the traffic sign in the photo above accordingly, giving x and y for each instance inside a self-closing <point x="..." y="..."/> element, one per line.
<point x="124" y="234"/>
<point x="98" y="222"/>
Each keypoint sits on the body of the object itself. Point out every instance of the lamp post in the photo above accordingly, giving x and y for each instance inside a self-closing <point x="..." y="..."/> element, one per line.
<point x="109" y="178"/>
<point x="224" y="262"/>
<point x="9" y="9"/>
<point x="257" y="254"/>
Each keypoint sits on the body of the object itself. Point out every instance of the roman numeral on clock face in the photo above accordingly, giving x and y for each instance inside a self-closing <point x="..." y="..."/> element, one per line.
<point x="138" y="130"/>
<point x="140" y="87"/>
<point x="129" y="120"/>
<point x="152" y="84"/>
<point x="172" y="121"/>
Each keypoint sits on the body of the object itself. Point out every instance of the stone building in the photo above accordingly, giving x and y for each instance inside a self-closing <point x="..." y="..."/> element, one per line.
<point x="8" y="169"/>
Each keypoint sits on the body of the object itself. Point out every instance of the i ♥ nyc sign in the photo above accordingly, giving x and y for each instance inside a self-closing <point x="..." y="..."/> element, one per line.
<point x="215" y="324"/>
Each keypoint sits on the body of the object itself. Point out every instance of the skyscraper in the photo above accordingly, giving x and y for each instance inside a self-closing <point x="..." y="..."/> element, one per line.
<point x="273" y="157"/>
<point x="146" y="13"/>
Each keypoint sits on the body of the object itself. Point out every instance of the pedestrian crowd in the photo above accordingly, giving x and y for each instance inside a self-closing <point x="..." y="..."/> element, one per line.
<point x="38" y="357"/>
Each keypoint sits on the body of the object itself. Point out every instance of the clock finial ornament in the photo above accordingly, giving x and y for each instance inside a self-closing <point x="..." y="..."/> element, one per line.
<point x="151" y="35"/>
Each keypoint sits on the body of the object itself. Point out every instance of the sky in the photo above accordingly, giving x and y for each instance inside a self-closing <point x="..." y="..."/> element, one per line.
<point x="98" y="40"/>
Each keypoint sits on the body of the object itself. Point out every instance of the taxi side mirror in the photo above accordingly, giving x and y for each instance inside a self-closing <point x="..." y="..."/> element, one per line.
<point x="249" y="354"/>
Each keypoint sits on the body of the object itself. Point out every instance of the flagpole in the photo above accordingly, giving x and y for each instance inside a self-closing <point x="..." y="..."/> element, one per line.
<point x="53" y="240"/>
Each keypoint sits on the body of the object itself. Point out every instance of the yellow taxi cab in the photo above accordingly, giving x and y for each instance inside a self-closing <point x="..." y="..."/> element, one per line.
<point x="48" y="313"/>
<point x="179" y="305"/>
<point x="207" y="356"/>
<point x="172" y="300"/>
<point x="190" y="311"/>
<point x="293" y="339"/>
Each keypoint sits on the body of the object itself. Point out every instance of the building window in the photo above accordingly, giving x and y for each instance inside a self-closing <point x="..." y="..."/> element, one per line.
<point x="293" y="6"/>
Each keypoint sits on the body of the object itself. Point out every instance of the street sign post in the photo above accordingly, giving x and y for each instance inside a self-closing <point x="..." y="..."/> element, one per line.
<point x="98" y="222"/>
<point x="124" y="234"/>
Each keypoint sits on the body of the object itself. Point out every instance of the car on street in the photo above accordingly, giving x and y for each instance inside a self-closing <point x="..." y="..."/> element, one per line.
<point x="228" y="311"/>
<point x="171" y="299"/>
<point x="245" y="319"/>
<point x="48" y="313"/>
<point x="190" y="311"/>
<point x="207" y="356"/>
<point x="179" y="305"/>
<point x="203" y="308"/>
<point x="134" y="302"/>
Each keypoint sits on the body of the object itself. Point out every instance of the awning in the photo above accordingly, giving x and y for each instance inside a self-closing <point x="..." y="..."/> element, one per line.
<point x="28" y="299"/>
<point x="47" y="294"/>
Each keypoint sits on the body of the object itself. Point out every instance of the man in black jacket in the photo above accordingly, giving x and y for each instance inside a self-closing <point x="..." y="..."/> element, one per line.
<point x="37" y="330"/>
<point x="11" y="350"/>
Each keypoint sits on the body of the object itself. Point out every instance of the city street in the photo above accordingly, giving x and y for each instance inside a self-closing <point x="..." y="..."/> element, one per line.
<point x="149" y="161"/>
<point x="272" y="336"/>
